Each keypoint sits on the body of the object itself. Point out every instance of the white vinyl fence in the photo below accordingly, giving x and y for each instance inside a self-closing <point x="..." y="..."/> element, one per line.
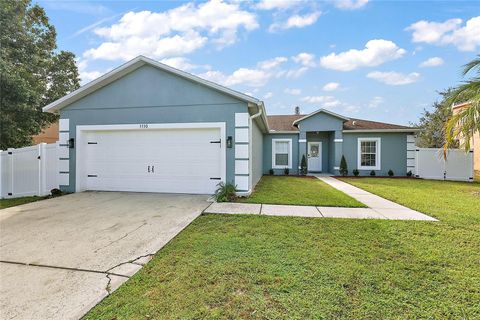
<point x="430" y="164"/>
<point x="29" y="171"/>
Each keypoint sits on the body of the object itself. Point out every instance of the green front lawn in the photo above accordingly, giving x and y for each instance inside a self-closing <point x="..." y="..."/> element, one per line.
<point x="260" y="267"/>
<point x="305" y="191"/>
<point x="5" y="203"/>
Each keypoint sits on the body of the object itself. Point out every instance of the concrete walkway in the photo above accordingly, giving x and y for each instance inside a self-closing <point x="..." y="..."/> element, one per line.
<point x="378" y="207"/>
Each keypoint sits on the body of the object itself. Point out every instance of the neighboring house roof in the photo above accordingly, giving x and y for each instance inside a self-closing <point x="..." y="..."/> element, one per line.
<point x="285" y="123"/>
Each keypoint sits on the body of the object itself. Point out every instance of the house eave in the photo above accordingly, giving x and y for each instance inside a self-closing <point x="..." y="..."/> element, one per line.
<point x="132" y="65"/>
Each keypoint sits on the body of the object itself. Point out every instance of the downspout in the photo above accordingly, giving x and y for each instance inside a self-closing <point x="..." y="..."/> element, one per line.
<point x="250" y="151"/>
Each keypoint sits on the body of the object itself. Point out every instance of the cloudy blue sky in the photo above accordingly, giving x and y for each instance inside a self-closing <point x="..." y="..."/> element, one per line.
<point x="379" y="60"/>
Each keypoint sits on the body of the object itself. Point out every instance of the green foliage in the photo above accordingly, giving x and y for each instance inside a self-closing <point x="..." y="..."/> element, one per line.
<point x="226" y="192"/>
<point x="343" y="166"/>
<point x="303" y="166"/>
<point x="55" y="192"/>
<point x="432" y="123"/>
<point x="461" y="127"/>
<point x="355" y="172"/>
<point x="32" y="72"/>
<point x="390" y="173"/>
<point x="372" y="173"/>
<point x="286" y="171"/>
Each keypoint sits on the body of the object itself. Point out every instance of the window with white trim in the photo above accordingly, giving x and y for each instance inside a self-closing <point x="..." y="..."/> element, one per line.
<point x="281" y="153"/>
<point x="369" y="153"/>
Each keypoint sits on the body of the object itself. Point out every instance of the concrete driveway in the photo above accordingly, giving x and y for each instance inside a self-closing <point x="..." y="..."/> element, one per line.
<point x="60" y="257"/>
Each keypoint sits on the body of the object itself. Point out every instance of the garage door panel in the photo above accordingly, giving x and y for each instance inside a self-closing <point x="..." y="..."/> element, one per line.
<point x="173" y="160"/>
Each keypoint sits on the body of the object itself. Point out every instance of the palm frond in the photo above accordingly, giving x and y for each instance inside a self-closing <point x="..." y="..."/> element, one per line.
<point x="472" y="65"/>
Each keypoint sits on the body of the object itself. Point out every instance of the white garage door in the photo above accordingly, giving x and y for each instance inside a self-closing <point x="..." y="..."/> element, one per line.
<point x="158" y="160"/>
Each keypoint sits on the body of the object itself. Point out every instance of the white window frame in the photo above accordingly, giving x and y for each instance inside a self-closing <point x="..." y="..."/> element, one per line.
<point x="377" y="154"/>
<point x="274" y="165"/>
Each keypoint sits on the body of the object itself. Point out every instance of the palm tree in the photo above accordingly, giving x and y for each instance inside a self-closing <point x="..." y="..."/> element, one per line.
<point x="463" y="125"/>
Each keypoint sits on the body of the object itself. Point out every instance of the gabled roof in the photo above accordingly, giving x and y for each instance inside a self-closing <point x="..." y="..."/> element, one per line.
<point x="285" y="123"/>
<point x="321" y="111"/>
<point x="132" y="65"/>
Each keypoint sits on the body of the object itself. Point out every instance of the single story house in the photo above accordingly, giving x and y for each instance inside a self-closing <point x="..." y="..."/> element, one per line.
<point x="149" y="127"/>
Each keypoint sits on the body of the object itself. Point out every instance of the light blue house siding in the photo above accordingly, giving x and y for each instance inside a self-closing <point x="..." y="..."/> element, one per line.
<point x="148" y="95"/>
<point x="393" y="152"/>
<point x="267" y="153"/>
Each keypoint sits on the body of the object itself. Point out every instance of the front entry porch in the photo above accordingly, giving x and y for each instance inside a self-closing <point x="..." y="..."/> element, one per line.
<point x="320" y="151"/>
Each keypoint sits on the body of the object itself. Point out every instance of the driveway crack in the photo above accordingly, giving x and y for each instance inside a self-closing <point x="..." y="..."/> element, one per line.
<point x="122" y="237"/>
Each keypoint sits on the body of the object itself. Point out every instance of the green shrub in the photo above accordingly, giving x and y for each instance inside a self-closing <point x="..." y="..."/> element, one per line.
<point x="343" y="167"/>
<point x="303" y="166"/>
<point x="355" y="172"/>
<point x="286" y="171"/>
<point x="390" y="173"/>
<point x="56" y="192"/>
<point x="372" y="173"/>
<point x="271" y="172"/>
<point x="226" y="192"/>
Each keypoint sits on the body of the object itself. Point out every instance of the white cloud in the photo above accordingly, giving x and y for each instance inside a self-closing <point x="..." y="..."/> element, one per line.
<point x="376" y="52"/>
<point x="465" y="38"/>
<point x="183" y="64"/>
<point x="431" y="32"/>
<point x="296" y="21"/>
<point x="432" y="62"/>
<point x="268" y="95"/>
<point x="375" y="102"/>
<point x="292" y="73"/>
<point x="272" y="63"/>
<point x="175" y="32"/>
<point x="350" y="4"/>
<point x="293" y="91"/>
<point x="322" y="101"/>
<point x="85" y="75"/>
<point x="276" y="4"/>
<point x="331" y="86"/>
<point x="305" y="59"/>
<point x="330" y="102"/>
<point x="394" y="78"/>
